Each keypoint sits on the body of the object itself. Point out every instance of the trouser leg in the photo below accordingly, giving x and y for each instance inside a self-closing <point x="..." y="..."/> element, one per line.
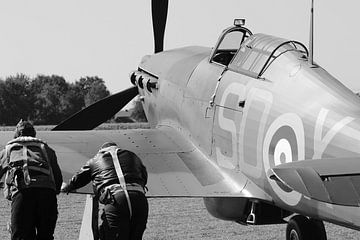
<point x="46" y="214"/>
<point x="22" y="216"/>
<point x="116" y="219"/>
<point x="140" y="210"/>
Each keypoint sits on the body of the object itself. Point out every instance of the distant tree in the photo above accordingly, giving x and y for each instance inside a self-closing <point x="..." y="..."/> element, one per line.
<point x="138" y="111"/>
<point x="46" y="99"/>
<point x="15" y="99"/>
<point x="3" y="109"/>
<point x="75" y="99"/>
<point x="92" y="89"/>
<point x="55" y="99"/>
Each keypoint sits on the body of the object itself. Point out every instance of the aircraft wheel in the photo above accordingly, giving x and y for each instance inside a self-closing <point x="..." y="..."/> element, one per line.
<point x="298" y="228"/>
<point x="302" y="228"/>
<point x="317" y="229"/>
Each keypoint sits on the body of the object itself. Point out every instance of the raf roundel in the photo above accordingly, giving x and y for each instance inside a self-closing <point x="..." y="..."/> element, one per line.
<point x="284" y="142"/>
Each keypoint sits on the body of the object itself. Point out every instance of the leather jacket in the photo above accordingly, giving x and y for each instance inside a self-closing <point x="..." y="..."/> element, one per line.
<point x="101" y="171"/>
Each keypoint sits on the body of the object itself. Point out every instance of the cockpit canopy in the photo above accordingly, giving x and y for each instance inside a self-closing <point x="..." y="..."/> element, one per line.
<point x="241" y="51"/>
<point x="258" y="52"/>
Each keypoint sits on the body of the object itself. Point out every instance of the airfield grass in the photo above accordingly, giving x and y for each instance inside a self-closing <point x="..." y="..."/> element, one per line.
<point x="169" y="218"/>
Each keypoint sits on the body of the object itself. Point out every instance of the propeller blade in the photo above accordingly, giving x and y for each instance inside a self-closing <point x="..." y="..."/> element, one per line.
<point x="159" y="9"/>
<point x="98" y="112"/>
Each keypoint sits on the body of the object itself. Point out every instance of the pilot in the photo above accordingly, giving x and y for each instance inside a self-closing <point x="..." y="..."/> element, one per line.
<point x="32" y="180"/>
<point x="119" y="179"/>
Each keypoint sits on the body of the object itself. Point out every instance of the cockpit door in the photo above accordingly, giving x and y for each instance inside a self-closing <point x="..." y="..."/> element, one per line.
<point x="229" y="104"/>
<point x="204" y="82"/>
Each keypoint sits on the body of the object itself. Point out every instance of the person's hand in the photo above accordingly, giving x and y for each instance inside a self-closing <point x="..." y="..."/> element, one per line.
<point x="65" y="188"/>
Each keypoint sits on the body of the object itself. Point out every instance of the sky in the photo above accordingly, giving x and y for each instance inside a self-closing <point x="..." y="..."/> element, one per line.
<point x="76" y="38"/>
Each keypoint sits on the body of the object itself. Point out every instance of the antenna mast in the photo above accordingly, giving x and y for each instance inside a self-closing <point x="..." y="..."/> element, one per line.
<point x="311" y="41"/>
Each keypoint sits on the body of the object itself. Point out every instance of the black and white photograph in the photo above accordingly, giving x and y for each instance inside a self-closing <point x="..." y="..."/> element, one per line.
<point x="164" y="119"/>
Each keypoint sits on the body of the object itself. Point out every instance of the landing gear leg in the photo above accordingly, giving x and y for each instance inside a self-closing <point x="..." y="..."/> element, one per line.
<point x="302" y="228"/>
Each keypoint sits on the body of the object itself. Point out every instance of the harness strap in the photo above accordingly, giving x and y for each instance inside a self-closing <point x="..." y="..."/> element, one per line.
<point x="27" y="178"/>
<point x="120" y="175"/>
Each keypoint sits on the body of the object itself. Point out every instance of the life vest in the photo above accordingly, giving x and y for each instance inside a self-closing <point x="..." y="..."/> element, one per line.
<point x="29" y="165"/>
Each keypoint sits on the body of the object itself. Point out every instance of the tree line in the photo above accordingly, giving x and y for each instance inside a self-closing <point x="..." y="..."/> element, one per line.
<point x="46" y="99"/>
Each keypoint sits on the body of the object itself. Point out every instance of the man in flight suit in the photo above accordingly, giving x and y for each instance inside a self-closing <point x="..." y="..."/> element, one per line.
<point x="119" y="179"/>
<point x="33" y="178"/>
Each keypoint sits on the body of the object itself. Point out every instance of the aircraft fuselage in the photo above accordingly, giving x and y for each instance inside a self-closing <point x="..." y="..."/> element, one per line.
<point x="248" y="119"/>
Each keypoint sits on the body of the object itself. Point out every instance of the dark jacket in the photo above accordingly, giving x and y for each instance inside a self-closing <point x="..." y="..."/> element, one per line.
<point x="41" y="182"/>
<point x="101" y="171"/>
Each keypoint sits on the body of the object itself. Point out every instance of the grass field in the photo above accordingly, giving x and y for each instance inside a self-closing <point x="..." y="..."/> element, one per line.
<point x="181" y="218"/>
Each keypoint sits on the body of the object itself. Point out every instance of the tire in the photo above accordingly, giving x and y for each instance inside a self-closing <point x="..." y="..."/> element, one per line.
<point x="317" y="229"/>
<point x="302" y="228"/>
<point x="298" y="228"/>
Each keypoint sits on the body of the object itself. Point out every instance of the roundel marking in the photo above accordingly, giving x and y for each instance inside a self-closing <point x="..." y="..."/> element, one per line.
<point x="284" y="142"/>
<point x="282" y="152"/>
<point x="283" y="146"/>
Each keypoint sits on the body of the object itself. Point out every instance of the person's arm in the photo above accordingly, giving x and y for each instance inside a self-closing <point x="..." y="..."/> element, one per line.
<point x="55" y="169"/>
<point x="81" y="178"/>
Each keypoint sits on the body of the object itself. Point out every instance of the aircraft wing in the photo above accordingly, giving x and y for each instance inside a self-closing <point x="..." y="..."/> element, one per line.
<point x="335" y="181"/>
<point x="176" y="168"/>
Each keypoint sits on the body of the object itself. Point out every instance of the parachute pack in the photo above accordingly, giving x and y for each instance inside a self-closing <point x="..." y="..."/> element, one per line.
<point x="28" y="164"/>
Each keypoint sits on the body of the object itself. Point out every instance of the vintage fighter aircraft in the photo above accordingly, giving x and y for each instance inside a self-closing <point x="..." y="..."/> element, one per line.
<point x="253" y="126"/>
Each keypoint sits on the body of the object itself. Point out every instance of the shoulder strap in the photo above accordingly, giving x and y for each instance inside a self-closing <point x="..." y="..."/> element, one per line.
<point x="27" y="178"/>
<point x="120" y="175"/>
